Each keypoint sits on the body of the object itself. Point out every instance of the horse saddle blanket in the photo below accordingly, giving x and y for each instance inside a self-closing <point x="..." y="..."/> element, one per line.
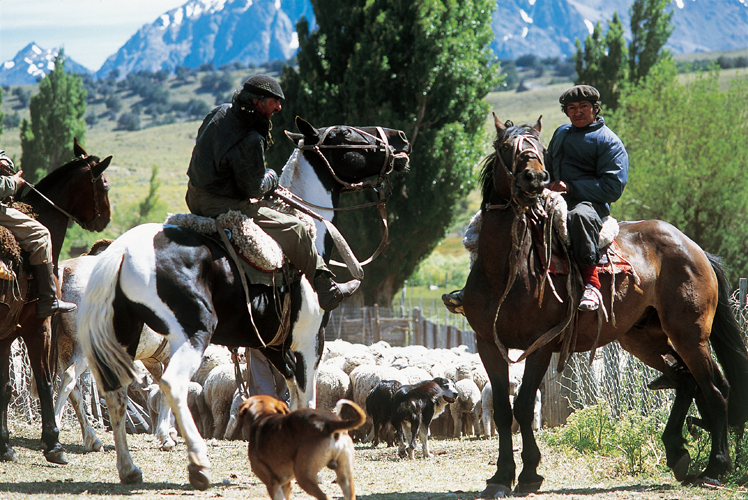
<point x="611" y="261"/>
<point x="260" y="255"/>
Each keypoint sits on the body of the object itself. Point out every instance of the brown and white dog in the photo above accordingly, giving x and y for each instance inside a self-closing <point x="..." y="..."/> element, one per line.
<point x="285" y="444"/>
<point x="414" y="407"/>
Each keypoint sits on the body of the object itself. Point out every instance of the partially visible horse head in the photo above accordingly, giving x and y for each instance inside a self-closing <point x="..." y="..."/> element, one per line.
<point x="517" y="172"/>
<point x="355" y="153"/>
<point x="81" y="186"/>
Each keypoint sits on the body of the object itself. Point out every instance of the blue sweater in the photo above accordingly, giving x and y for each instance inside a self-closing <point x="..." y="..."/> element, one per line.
<point x="591" y="161"/>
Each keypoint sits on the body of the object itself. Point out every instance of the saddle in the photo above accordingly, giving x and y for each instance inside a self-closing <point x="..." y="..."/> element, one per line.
<point x="262" y="257"/>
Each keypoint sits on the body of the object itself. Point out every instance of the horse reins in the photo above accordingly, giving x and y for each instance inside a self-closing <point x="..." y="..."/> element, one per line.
<point x="533" y="150"/>
<point x="379" y="186"/>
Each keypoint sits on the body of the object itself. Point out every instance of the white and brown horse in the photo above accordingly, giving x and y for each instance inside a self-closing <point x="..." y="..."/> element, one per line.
<point x="185" y="286"/>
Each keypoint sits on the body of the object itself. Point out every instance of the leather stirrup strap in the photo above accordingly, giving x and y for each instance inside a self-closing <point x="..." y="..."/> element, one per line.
<point x="240" y="267"/>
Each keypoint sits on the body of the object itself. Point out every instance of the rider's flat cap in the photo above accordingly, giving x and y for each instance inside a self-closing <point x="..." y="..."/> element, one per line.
<point x="580" y="93"/>
<point x="264" y="85"/>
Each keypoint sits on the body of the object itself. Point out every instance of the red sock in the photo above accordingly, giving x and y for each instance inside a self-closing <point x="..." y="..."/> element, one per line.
<point x="589" y="276"/>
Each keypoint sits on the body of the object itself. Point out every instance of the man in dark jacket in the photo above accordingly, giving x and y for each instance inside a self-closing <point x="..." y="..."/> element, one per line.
<point x="589" y="165"/>
<point x="227" y="172"/>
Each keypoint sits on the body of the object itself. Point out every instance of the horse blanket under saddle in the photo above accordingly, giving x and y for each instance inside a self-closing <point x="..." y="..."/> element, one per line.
<point x="261" y="256"/>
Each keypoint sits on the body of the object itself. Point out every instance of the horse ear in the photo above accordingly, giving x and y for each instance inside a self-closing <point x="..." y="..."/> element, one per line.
<point x="306" y="128"/>
<point x="99" y="168"/>
<point x="538" y="125"/>
<point x="295" y="138"/>
<point x="78" y="149"/>
<point x="500" y="128"/>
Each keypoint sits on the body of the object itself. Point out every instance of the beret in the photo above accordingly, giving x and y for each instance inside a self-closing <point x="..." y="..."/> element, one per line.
<point x="264" y="85"/>
<point x="580" y="93"/>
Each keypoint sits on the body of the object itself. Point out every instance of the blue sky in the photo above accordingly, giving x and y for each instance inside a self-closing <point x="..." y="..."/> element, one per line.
<point x="89" y="30"/>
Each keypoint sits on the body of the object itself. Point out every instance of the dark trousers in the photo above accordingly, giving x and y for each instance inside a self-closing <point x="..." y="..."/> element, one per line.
<point x="585" y="219"/>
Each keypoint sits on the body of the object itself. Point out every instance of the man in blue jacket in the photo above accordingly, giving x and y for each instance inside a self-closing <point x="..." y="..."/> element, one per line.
<point x="589" y="165"/>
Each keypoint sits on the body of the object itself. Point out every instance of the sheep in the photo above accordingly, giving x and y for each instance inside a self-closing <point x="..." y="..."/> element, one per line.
<point x="487" y="420"/>
<point x="333" y="384"/>
<point x="234" y="429"/>
<point x="218" y="391"/>
<point x="468" y="404"/>
<point x="213" y="356"/>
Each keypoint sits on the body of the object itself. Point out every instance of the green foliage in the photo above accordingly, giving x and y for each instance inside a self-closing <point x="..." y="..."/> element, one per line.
<point x="56" y="118"/>
<point x="424" y="67"/>
<point x="443" y="270"/>
<point x="602" y="62"/>
<point x="630" y="437"/>
<point x="148" y="205"/>
<point x="650" y="30"/>
<point x="687" y="151"/>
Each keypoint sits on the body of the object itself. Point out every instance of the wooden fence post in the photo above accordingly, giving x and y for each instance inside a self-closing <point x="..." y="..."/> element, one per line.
<point x="377" y="325"/>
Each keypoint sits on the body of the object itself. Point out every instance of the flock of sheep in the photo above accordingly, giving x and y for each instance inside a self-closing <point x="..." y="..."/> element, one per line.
<point x="348" y="371"/>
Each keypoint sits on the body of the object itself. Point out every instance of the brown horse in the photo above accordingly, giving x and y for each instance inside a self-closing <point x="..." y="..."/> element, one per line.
<point x="665" y="313"/>
<point x="79" y="191"/>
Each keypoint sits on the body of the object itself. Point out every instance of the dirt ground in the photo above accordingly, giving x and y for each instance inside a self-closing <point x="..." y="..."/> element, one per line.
<point x="457" y="471"/>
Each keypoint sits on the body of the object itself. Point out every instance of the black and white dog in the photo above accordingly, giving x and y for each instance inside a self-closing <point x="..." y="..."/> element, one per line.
<point x="414" y="407"/>
<point x="379" y="405"/>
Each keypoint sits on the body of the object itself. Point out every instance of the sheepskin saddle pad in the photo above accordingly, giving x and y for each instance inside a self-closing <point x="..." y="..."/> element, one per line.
<point x="611" y="259"/>
<point x="253" y="244"/>
<point x="10" y="251"/>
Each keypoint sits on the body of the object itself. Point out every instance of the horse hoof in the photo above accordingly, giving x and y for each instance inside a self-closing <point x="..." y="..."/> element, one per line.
<point x="528" y="487"/>
<point x="9" y="456"/>
<point x="199" y="476"/>
<point x="135" y="476"/>
<point x="707" y="481"/>
<point x="168" y="446"/>
<point x="680" y="469"/>
<point x="56" y="456"/>
<point x="97" y="445"/>
<point x="495" y="491"/>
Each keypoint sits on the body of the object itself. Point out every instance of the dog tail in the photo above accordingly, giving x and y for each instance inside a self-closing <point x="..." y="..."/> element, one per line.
<point x="349" y="419"/>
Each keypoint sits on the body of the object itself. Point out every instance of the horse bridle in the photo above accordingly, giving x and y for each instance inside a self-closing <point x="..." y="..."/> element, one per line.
<point x="532" y="151"/>
<point x="381" y="185"/>
<point x="67" y="214"/>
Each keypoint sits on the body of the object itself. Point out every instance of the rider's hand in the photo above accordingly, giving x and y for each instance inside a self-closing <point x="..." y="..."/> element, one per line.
<point x="20" y="181"/>
<point x="558" y="186"/>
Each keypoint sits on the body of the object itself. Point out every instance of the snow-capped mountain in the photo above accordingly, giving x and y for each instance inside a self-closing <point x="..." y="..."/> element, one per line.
<point x="213" y="31"/>
<point x="549" y="28"/>
<point x="32" y="63"/>
<point x="258" y="31"/>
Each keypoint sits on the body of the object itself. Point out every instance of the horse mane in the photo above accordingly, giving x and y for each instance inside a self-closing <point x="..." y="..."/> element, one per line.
<point x="486" y="175"/>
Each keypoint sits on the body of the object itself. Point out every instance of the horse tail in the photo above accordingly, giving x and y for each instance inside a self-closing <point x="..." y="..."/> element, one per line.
<point x="109" y="362"/>
<point x="727" y="342"/>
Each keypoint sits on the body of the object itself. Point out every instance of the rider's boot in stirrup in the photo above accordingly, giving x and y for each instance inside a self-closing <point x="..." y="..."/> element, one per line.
<point x="48" y="303"/>
<point x="453" y="301"/>
<point x="331" y="294"/>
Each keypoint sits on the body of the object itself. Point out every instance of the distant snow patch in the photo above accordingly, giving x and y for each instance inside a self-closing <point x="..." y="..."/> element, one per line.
<point x="178" y="16"/>
<point x="8" y="64"/>
<point x="277" y="4"/>
<point x="532" y="2"/>
<point x="590" y="26"/>
<point x="36" y="50"/>
<point x="294" y="43"/>
<point x="525" y="30"/>
<point x="679" y="3"/>
<point x="165" y="21"/>
<point x="525" y="17"/>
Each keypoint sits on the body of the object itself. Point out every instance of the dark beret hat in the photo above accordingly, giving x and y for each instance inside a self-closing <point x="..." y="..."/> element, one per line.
<point x="580" y="93"/>
<point x="264" y="85"/>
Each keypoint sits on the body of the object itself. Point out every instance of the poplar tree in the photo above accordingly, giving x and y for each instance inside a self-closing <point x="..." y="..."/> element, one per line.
<point x="57" y="114"/>
<point x="422" y="66"/>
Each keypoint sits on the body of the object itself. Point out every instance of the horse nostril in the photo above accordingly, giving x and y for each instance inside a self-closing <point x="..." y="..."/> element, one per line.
<point x="546" y="176"/>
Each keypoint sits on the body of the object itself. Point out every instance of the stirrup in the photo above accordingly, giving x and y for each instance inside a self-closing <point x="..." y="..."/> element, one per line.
<point x="590" y="299"/>
<point x="453" y="301"/>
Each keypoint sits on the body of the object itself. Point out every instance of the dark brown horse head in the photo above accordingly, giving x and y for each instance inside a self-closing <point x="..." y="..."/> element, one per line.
<point x="354" y="153"/>
<point x="519" y="174"/>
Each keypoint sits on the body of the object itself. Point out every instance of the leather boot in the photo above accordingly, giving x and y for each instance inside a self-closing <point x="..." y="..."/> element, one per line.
<point x="331" y="294"/>
<point x="453" y="301"/>
<point x="48" y="303"/>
